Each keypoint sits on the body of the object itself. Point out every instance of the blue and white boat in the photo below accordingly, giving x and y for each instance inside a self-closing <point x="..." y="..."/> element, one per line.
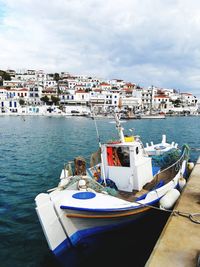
<point x="124" y="182"/>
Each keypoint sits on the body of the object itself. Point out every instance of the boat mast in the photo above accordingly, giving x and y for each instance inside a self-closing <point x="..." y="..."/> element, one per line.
<point x="120" y="129"/>
<point x="100" y="146"/>
<point x="151" y="104"/>
<point x="118" y="124"/>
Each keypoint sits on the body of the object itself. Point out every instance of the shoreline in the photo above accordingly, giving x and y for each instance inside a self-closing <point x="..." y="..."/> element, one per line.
<point x="85" y="116"/>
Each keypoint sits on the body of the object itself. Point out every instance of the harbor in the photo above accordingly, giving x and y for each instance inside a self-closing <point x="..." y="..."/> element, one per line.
<point x="100" y="133"/>
<point x="30" y="165"/>
<point x="179" y="242"/>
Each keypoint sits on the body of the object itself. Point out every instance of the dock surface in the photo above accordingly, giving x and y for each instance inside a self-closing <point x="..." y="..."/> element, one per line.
<point x="179" y="242"/>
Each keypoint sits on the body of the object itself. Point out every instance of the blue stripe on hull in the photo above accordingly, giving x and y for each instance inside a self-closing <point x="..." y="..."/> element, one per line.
<point x="65" y="245"/>
<point x="92" y="233"/>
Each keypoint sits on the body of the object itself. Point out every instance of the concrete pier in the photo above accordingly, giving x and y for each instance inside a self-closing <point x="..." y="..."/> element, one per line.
<point x="179" y="243"/>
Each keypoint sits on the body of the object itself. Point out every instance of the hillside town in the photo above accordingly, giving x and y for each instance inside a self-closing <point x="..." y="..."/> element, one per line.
<point x="34" y="92"/>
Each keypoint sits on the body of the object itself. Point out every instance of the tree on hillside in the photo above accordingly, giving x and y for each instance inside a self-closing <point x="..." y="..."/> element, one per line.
<point x="55" y="99"/>
<point x="177" y="102"/>
<point x="45" y="99"/>
<point x="4" y="76"/>
<point x="56" y="77"/>
<point x="21" y="102"/>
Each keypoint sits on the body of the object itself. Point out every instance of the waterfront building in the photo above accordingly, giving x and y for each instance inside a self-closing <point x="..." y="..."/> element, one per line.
<point x="11" y="99"/>
<point x="147" y="96"/>
<point x="82" y="97"/>
<point x="27" y="87"/>
<point x="188" y="99"/>
<point x="161" y="102"/>
<point x="131" y="103"/>
<point x="35" y="93"/>
<point x="97" y="101"/>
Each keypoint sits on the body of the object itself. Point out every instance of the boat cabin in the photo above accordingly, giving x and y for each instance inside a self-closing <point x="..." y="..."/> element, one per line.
<point x="126" y="164"/>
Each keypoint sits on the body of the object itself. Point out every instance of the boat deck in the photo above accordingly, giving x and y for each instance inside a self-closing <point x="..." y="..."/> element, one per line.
<point x="163" y="177"/>
<point x="131" y="196"/>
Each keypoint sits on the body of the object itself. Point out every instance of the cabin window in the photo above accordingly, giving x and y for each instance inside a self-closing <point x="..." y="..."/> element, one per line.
<point x="118" y="156"/>
<point x="137" y="150"/>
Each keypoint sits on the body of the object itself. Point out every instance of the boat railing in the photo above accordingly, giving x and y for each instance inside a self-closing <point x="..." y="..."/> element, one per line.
<point x="174" y="168"/>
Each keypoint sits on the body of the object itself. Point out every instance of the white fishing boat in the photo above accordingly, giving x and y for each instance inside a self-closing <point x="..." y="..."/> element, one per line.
<point x="152" y="116"/>
<point x="124" y="182"/>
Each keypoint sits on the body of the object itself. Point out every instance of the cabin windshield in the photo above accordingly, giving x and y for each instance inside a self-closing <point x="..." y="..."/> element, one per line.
<point x="118" y="156"/>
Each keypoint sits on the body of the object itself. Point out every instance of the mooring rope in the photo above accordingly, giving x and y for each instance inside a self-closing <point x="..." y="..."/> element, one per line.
<point x="192" y="216"/>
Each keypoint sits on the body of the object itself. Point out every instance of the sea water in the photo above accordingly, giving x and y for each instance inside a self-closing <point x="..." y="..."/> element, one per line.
<point x="33" y="151"/>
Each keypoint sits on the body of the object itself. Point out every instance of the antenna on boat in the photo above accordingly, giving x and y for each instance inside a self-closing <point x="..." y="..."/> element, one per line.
<point x="118" y="124"/>
<point x="119" y="128"/>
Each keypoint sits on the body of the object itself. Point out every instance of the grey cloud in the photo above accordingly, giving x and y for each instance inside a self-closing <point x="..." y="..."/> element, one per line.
<point x="147" y="42"/>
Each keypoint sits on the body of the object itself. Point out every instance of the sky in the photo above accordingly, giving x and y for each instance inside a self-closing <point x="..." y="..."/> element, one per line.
<point x="148" y="42"/>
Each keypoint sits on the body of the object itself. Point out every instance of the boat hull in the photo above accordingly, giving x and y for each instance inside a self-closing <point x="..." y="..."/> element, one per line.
<point x="138" y="237"/>
<point x="91" y="226"/>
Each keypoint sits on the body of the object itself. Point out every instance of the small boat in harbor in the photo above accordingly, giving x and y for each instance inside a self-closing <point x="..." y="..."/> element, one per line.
<point x="124" y="182"/>
<point x="152" y="116"/>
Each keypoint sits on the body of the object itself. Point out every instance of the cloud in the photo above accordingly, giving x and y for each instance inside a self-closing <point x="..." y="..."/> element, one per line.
<point x="144" y="41"/>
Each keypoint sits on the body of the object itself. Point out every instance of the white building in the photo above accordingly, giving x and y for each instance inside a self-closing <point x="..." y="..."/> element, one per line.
<point x="133" y="103"/>
<point x="82" y="96"/>
<point x="161" y="102"/>
<point x="189" y="99"/>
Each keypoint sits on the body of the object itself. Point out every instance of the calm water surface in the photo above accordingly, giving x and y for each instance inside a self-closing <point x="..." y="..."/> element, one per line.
<point x="33" y="151"/>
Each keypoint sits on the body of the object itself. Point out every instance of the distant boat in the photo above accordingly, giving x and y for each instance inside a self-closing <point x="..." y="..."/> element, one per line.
<point x="124" y="181"/>
<point x="129" y="117"/>
<point x="101" y="116"/>
<point x="115" y="121"/>
<point x="151" y="116"/>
